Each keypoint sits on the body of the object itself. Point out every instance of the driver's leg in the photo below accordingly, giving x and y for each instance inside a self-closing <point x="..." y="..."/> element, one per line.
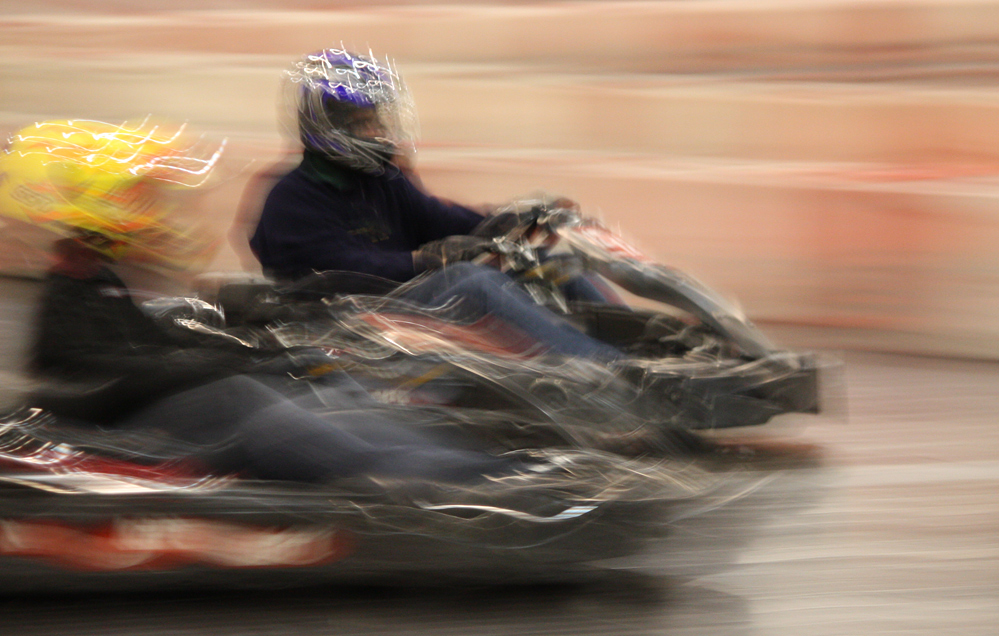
<point x="486" y="291"/>
<point x="243" y="425"/>
<point x="592" y="288"/>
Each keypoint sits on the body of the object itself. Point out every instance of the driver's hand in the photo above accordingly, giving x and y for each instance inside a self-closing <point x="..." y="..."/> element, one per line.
<point x="425" y="262"/>
<point x="457" y="248"/>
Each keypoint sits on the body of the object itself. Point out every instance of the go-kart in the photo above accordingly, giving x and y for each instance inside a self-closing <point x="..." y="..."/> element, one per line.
<point x="83" y="505"/>
<point x="693" y="360"/>
<point x="82" y="508"/>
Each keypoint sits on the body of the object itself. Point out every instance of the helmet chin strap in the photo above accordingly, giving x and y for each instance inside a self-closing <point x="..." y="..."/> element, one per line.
<point x="385" y="156"/>
<point x="375" y="162"/>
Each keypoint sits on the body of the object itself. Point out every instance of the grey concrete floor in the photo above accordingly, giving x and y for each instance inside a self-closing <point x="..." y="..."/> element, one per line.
<point x="896" y="532"/>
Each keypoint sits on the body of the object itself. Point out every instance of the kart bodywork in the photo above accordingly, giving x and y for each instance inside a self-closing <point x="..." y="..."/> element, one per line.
<point x="82" y="508"/>
<point x="694" y="360"/>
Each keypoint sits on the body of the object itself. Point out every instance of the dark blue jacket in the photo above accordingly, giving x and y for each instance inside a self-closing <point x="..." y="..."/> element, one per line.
<point x="320" y="217"/>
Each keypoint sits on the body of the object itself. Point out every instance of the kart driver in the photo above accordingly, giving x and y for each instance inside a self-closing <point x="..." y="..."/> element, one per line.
<point x="348" y="206"/>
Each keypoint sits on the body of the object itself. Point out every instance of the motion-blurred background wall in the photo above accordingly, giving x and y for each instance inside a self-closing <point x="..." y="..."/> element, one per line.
<point x="831" y="164"/>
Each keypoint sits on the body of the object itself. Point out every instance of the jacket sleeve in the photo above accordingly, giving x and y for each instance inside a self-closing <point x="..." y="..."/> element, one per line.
<point x="435" y="218"/>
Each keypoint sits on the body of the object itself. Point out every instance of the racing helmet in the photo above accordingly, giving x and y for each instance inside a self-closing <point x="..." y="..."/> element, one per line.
<point x="108" y="183"/>
<point x="351" y="108"/>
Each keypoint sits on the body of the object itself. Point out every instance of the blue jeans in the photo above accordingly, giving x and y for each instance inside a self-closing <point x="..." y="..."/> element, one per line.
<point x="591" y="288"/>
<point x="486" y="291"/>
<point x="244" y="425"/>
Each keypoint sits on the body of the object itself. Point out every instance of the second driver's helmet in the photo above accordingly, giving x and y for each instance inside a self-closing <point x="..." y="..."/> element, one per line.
<point x="113" y="187"/>
<point x="351" y="108"/>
